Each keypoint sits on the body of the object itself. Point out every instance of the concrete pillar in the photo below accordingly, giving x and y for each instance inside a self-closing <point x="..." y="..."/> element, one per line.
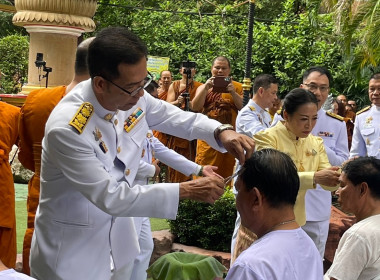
<point x="54" y="27"/>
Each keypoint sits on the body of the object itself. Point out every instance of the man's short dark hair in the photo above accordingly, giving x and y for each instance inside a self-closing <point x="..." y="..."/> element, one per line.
<point x="81" y="66"/>
<point x="274" y="174"/>
<point x="112" y="46"/>
<point x="153" y="85"/>
<point x="364" y="169"/>
<point x="222" y="58"/>
<point x="319" y="69"/>
<point x="264" y="81"/>
<point x="375" y="76"/>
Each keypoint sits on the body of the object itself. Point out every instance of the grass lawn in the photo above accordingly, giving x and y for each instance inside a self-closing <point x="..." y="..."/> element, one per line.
<point x="21" y="193"/>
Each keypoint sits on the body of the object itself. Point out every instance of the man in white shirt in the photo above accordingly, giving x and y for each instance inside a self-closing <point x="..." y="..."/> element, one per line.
<point x="267" y="189"/>
<point x="365" y="139"/>
<point x="358" y="253"/>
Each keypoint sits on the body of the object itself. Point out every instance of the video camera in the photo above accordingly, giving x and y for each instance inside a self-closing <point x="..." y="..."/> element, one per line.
<point x="40" y="62"/>
<point x="188" y="65"/>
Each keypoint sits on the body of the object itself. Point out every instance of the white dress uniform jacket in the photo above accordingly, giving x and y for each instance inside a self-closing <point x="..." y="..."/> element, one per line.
<point x="252" y="119"/>
<point x="86" y="182"/>
<point x="365" y="139"/>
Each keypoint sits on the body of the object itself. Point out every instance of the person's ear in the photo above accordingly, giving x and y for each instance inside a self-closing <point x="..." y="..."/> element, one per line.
<point x="99" y="84"/>
<point x="256" y="198"/>
<point x="285" y="115"/>
<point x="364" y="189"/>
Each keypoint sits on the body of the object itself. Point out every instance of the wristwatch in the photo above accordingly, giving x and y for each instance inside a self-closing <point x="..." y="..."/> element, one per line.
<point x="220" y="129"/>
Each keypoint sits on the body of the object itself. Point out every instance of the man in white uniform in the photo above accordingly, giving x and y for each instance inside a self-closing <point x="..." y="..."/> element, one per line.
<point x="332" y="129"/>
<point x="91" y="151"/>
<point x="267" y="191"/>
<point x="254" y="117"/>
<point x="358" y="253"/>
<point x="365" y="139"/>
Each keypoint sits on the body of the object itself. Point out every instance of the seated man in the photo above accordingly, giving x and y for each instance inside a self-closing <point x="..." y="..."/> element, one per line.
<point x="267" y="190"/>
<point x="358" y="253"/>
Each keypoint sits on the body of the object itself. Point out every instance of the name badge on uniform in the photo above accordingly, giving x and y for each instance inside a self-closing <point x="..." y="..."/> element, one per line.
<point x="133" y="119"/>
<point x="325" y="134"/>
<point x="368" y="122"/>
<point x="98" y="136"/>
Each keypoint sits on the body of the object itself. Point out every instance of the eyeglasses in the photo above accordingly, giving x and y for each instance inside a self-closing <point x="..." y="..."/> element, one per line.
<point x="149" y="79"/>
<point x="314" y="87"/>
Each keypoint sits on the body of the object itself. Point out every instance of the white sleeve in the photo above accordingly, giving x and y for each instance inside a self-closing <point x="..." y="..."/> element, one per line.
<point x="173" y="159"/>
<point x="358" y="147"/>
<point x="88" y="175"/>
<point x="339" y="153"/>
<point x="167" y="118"/>
<point x="249" y="123"/>
<point x="145" y="171"/>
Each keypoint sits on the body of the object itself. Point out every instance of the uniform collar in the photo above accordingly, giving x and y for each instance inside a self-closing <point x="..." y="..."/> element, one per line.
<point x="99" y="109"/>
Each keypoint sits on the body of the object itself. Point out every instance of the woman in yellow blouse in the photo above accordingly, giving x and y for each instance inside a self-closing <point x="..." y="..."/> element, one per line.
<point x="293" y="137"/>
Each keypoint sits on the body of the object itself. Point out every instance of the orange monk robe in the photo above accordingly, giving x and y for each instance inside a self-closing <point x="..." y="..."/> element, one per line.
<point x="34" y="114"/>
<point x="221" y="107"/>
<point x="9" y="115"/>
<point x="159" y="135"/>
<point x="180" y="145"/>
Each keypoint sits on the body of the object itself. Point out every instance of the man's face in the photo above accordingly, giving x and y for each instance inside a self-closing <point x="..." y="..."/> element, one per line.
<point x="353" y="104"/>
<point x="318" y="84"/>
<point x="342" y="99"/>
<point x="374" y="91"/>
<point x="166" y="78"/>
<point x="130" y="78"/>
<point x="220" y="68"/>
<point x="270" y="95"/>
<point x="348" y="194"/>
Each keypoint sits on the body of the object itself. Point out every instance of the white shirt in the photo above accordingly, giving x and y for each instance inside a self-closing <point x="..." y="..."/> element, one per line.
<point x="252" y="119"/>
<point x="365" y="139"/>
<point x="279" y="255"/>
<point x="11" y="274"/>
<point x="358" y="253"/>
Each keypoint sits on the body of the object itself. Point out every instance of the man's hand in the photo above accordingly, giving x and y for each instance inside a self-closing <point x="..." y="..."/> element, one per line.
<point x="327" y="177"/>
<point x="206" y="189"/>
<point x="209" y="171"/>
<point x="239" y="145"/>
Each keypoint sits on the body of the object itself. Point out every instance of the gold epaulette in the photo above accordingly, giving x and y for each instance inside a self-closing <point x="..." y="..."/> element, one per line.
<point x="279" y="112"/>
<point x="363" y="110"/>
<point x="252" y="108"/>
<point x="82" y="116"/>
<point x="335" y="116"/>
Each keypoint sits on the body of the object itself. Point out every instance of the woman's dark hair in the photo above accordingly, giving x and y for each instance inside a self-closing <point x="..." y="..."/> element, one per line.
<point x="296" y="98"/>
<point x="274" y="174"/>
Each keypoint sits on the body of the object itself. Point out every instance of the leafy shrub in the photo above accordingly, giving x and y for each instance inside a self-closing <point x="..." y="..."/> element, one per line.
<point x="204" y="225"/>
<point x="14" y="51"/>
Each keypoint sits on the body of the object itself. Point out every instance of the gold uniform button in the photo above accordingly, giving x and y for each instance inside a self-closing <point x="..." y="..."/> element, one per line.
<point x="127" y="172"/>
<point x="118" y="149"/>
<point x="116" y="122"/>
<point x="108" y="117"/>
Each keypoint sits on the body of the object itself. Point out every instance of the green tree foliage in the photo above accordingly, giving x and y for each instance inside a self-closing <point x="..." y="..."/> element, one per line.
<point x="7" y="27"/>
<point x="14" y="51"/>
<point x="285" y="45"/>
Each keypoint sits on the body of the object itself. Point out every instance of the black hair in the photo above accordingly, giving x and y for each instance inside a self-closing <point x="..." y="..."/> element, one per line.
<point x="81" y="65"/>
<point x="153" y="85"/>
<point x="375" y="76"/>
<point x="264" y="81"/>
<point x="364" y="169"/>
<point x="222" y="58"/>
<point x="112" y="46"/>
<point x="319" y="69"/>
<point x="296" y="98"/>
<point x="274" y="174"/>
